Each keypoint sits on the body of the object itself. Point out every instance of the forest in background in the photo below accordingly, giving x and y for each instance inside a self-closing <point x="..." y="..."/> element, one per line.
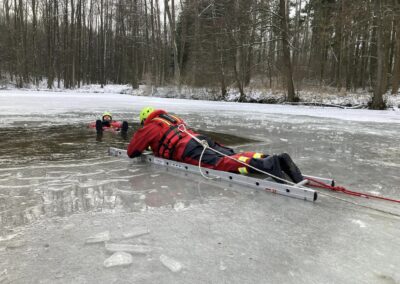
<point x="345" y="44"/>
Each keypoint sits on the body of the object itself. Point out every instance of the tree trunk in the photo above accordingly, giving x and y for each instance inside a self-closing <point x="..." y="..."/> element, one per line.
<point x="396" y="67"/>
<point x="377" y="100"/>
<point x="102" y="45"/>
<point x="286" y="51"/>
<point x="79" y="44"/>
<point x="171" y="20"/>
<point x="35" y="51"/>
<point x="153" y="71"/>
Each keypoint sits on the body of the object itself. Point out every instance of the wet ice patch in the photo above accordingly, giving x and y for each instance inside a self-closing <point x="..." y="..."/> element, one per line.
<point x="390" y="276"/>
<point x="125" y="192"/>
<point x="5" y="175"/>
<point x="136" y="232"/>
<point x="92" y="183"/>
<point x="69" y="226"/>
<point x="98" y="238"/>
<point x="359" y="223"/>
<point x="135" y="249"/>
<point x="134" y="170"/>
<point x="56" y="189"/>
<point x="16" y="244"/>
<point x="99" y="172"/>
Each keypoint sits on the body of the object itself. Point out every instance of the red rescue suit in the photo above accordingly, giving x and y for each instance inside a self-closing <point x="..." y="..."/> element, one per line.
<point x="161" y="132"/>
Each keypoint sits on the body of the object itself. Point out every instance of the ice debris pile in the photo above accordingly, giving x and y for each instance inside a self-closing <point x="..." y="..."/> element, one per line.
<point x="123" y="253"/>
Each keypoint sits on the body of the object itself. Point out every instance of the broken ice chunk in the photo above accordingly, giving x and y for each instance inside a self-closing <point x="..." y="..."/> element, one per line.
<point x="8" y="237"/>
<point x="139" y="231"/>
<point x="179" y="206"/>
<point x="137" y="249"/>
<point x="100" y="237"/>
<point x="118" y="259"/>
<point x="170" y="263"/>
<point x="4" y="277"/>
<point x="16" y="244"/>
<point x="68" y="227"/>
<point x="222" y="266"/>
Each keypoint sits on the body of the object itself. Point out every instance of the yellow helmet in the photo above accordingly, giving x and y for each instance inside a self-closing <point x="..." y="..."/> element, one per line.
<point x="144" y="113"/>
<point x="107" y="114"/>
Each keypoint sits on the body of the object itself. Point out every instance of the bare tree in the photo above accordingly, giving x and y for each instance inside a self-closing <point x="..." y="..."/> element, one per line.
<point x="377" y="99"/>
<point x="171" y="20"/>
<point x="286" y="51"/>
<point x="223" y="44"/>
<point x="396" y="65"/>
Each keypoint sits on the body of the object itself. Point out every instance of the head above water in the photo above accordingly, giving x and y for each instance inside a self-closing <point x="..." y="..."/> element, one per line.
<point x="107" y="116"/>
<point x="144" y="113"/>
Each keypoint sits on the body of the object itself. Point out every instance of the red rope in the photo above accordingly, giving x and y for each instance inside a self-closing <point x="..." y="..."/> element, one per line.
<point x="344" y="190"/>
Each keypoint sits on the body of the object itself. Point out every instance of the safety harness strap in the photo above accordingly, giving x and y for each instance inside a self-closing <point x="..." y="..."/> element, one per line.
<point x="171" y="137"/>
<point x="168" y="142"/>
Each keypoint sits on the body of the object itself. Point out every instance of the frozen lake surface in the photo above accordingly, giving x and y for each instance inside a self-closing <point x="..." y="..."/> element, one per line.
<point x="58" y="188"/>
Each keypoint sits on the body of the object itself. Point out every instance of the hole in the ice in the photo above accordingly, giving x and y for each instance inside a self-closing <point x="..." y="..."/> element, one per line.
<point x="206" y="172"/>
<point x="230" y="177"/>
<point x="257" y="183"/>
<point x="287" y="190"/>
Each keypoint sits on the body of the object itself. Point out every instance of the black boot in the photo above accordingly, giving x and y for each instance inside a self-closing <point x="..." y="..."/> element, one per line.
<point x="99" y="126"/>
<point x="124" y="127"/>
<point x="290" y="168"/>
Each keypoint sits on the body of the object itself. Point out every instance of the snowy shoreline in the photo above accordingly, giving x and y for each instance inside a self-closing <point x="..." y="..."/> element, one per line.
<point x="16" y="104"/>
<point x="328" y="98"/>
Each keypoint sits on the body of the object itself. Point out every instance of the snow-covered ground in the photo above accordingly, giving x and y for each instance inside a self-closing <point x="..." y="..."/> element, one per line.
<point x="316" y="96"/>
<point x="58" y="187"/>
<point x="37" y="104"/>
